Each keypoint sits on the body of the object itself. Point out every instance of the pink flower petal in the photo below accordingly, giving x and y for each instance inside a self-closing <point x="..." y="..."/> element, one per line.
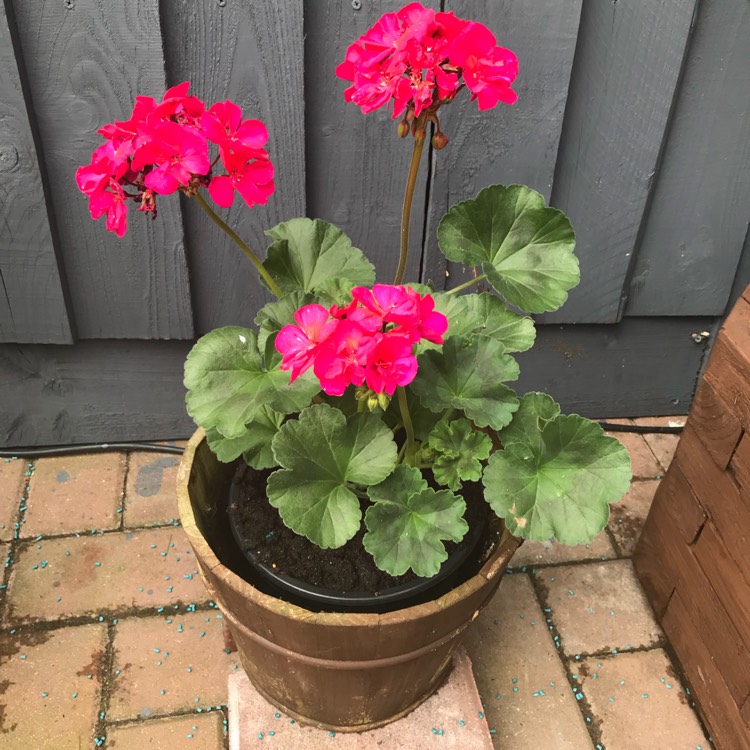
<point x="222" y="191"/>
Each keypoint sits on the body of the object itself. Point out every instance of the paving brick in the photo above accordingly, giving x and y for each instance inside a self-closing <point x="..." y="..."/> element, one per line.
<point x="49" y="703"/>
<point x="200" y="732"/>
<point x="58" y="578"/>
<point x="538" y="553"/>
<point x="662" y="446"/>
<point x="74" y="493"/>
<point x="640" y="702"/>
<point x="451" y="719"/>
<point x="645" y="465"/>
<point x="599" y="607"/>
<point x="628" y="516"/>
<point x="12" y="475"/>
<point x="170" y="664"/>
<point x="514" y="658"/>
<point x="150" y="493"/>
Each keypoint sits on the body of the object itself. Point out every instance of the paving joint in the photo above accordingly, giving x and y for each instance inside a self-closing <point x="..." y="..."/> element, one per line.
<point x="592" y="722"/>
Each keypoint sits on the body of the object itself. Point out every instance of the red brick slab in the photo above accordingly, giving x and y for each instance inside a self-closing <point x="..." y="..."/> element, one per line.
<point x="168" y="664"/>
<point x="150" y="494"/>
<point x="202" y="732"/>
<point x="50" y="685"/>
<point x="101" y="573"/>
<point x="74" y="493"/>
<point x="12" y="475"/>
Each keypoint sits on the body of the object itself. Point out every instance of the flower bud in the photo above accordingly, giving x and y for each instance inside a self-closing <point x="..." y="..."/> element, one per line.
<point x="384" y="400"/>
<point x="403" y="129"/>
<point x="439" y="140"/>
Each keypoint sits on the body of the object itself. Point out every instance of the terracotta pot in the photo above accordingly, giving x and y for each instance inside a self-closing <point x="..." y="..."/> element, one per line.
<point x="339" y="671"/>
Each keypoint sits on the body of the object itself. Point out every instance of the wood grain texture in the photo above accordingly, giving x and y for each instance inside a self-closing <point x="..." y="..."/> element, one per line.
<point x="507" y="145"/>
<point x="719" y="495"/>
<point x="627" y="66"/>
<point x="86" y="61"/>
<point x="637" y="368"/>
<point x="716" y="423"/>
<point x="701" y="200"/>
<point x="251" y="53"/>
<point x="32" y="302"/>
<point x="740" y="466"/>
<point x="92" y="391"/>
<point x="714" y="700"/>
<point x="356" y="163"/>
<point x="731" y="587"/>
<point x="688" y="515"/>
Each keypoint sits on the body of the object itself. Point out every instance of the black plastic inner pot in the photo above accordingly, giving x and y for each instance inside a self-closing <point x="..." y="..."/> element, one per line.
<point x="462" y="563"/>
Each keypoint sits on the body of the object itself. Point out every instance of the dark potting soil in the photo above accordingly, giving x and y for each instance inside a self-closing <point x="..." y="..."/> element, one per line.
<point x="348" y="568"/>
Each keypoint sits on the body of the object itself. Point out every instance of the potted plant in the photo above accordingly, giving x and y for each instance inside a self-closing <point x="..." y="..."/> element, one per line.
<point x="369" y="418"/>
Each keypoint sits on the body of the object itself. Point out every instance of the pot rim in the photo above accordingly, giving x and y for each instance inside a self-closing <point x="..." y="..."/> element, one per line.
<point x="494" y="566"/>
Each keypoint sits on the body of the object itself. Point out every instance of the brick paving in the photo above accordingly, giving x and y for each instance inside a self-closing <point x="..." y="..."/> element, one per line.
<point x="108" y="638"/>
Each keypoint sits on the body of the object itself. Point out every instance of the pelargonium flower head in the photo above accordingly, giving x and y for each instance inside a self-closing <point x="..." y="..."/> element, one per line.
<point x="223" y="125"/>
<point x="298" y="344"/>
<point x="391" y="303"/>
<point x="488" y="70"/>
<point x="250" y="176"/>
<point x="390" y="363"/>
<point x="343" y="358"/>
<point x="178" y="151"/>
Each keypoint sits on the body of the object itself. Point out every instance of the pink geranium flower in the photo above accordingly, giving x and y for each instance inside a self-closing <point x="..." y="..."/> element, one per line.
<point x="223" y="125"/>
<point x="343" y="359"/>
<point x="390" y="363"/>
<point x="178" y="151"/>
<point x="392" y="304"/>
<point x="488" y="70"/>
<point x="298" y="344"/>
<point x="251" y="177"/>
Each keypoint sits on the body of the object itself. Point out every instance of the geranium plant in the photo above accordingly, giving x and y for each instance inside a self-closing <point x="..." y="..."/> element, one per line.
<point x="376" y="402"/>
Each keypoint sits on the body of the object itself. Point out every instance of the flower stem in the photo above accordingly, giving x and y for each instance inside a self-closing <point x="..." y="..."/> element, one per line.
<point x="411" y="183"/>
<point x="408" y="426"/>
<point x="272" y="285"/>
<point x="467" y="284"/>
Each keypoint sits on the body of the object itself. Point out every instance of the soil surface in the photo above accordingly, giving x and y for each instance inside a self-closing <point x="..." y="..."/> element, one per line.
<point x="348" y="568"/>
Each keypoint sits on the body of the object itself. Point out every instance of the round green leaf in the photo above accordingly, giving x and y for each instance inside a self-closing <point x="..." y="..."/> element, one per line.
<point x="254" y="446"/>
<point x="534" y="411"/>
<point x="524" y="246"/>
<point x="410" y="534"/>
<point x="460" y="450"/>
<point x="558" y="483"/>
<point x="399" y="486"/>
<point x="307" y="253"/>
<point x="228" y="384"/>
<point x="466" y="375"/>
<point x="323" y="454"/>
<point x="515" y="332"/>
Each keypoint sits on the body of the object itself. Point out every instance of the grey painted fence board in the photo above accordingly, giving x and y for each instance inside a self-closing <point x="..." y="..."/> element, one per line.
<point x="356" y="164"/>
<point x="132" y="390"/>
<point x="628" y="62"/>
<point x="86" y="63"/>
<point x="253" y="54"/>
<point x="515" y="144"/>
<point x="32" y="303"/>
<point x="701" y="206"/>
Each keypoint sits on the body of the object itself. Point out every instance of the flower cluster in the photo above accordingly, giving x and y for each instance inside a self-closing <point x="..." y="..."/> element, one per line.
<point x="369" y="341"/>
<point x="164" y="147"/>
<point x="420" y="58"/>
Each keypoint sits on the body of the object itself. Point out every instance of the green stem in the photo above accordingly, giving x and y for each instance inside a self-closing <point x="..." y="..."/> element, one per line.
<point x="272" y="285"/>
<point x="411" y="183"/>
<point x="467" y="284"/>
<point x="408" y="426"/>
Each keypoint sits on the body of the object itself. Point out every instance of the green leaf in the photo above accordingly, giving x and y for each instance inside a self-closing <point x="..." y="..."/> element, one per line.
<point x="460" y="450"/>
<point x="228" y="384"/>
<point x="534" y="411"/>
<point x="516" y="332"/>
<point x="399" y="486"/>
<point x="466" y="375"/>
<point x="254" y="445"/>
<point x="307" y="253"/>
<point x="335" y="291"/>
<point x="323" y="455"/>
<point x="524" y="246"/>
<point x="410" y="534"/>
<point x="559" y="483"/>
<point x="273" y="316"/>
<point x="462" y="319"/>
